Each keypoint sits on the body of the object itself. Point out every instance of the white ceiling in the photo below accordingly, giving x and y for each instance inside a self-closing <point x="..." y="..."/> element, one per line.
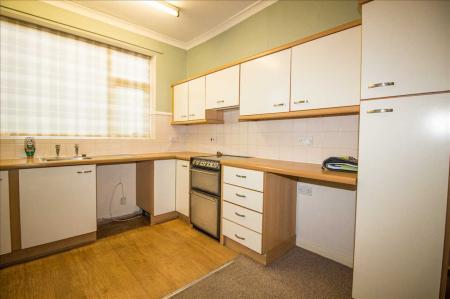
<point x="198" y="20"/>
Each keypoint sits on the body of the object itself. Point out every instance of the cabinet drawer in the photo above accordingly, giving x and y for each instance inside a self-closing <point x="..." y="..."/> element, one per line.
<point x="244" y="197"/>
<point x="243" y="216"/>
<point x="242" y="235"/>
<point x="246" y="178"/>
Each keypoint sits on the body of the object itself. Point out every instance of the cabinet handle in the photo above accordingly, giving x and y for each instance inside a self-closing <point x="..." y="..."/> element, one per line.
<point x="220" y="101"/>
<point x="381" y="84"/>
<point x="278" y="105"/>
<point x="191" y="114"/>
<point x="79" y="172"/>
<point x="240" y="215"/>
<point x="183" y="116"/>
<point x="381" y="110"/>
<point x="301" y="102"/>
<point x="239" y="237"/>
<point x="240" y="195"/>
<point x="184" y="166"/>
<point x="241" y="176"/>
<point x="87" y="171"/>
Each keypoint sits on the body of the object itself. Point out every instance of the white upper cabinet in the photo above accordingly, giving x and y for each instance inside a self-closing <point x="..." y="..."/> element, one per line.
<point x="265" y="84"/>
<point x="180" y="102"/>
<point x="222" y="88"/>
<point x="197" y="99"/>
<point x="405" y="48"/>
<point x="326" y="71"/>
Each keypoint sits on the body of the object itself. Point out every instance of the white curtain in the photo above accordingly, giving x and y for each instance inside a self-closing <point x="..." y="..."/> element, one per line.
<point x="55" y="84"/>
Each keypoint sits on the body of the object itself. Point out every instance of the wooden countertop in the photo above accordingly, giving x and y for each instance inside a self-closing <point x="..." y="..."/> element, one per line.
<point x="110" y="159"/>
<point x="296" y="169"/>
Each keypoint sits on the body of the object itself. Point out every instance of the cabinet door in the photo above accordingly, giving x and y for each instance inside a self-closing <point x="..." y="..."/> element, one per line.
<point x="56" y="203"/>
<point x="5" y="226"/>
<point x="265" y="84"/>
<point x="324" y="78"/>
<point x="180" y="102"/>
<point x="182" y="187"/>
<point x="405" y="48"/>
<point x="401" y="197"/>
<point x="197" y="99"/>
<point x="164" y="187"/>
<point x="222" y="88"/>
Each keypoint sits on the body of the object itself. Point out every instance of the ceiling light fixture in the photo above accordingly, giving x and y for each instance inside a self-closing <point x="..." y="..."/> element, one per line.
<point x="165" y="7"/>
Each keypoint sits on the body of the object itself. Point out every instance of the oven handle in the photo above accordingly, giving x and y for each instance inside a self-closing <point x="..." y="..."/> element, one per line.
<point x="215" y="173"/>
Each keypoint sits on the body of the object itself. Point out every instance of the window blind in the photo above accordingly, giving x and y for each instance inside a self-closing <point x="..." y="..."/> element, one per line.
<point x="56" y="84"/>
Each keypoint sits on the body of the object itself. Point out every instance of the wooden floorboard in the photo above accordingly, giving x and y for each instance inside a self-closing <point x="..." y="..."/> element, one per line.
<point x="146" y="262"/>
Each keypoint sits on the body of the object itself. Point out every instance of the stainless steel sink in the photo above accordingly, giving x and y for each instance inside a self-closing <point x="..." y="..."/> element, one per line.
<point x="53" y="159"/>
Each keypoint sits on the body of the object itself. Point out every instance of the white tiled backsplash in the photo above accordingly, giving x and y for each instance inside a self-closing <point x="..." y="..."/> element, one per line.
<point x="277" y="139"/>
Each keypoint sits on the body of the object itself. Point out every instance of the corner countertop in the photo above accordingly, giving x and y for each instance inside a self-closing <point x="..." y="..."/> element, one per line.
<point x="295" y="169"/>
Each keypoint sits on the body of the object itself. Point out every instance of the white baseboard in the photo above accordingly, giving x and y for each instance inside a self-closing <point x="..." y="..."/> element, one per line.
<point x="330" y="254"/>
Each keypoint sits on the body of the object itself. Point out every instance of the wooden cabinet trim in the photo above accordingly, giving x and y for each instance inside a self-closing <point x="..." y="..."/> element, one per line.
<point x="14" y="209"/>
<point x="346" y="110"/>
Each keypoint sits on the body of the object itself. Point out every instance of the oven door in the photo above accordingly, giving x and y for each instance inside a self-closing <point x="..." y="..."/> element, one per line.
<point x="204" y="213"/>
<point x="206" y="181"/>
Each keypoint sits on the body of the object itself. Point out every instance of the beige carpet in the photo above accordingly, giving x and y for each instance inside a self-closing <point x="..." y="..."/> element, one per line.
<point x="299" y="274"/>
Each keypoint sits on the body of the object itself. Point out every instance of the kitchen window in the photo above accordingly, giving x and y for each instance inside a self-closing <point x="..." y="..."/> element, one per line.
<point x="57" y="84"/>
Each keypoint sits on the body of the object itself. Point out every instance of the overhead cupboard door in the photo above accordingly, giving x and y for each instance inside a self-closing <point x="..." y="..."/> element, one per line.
<point x="265" y="84"/>
<point x="222" y="88"/>
<point x="180" y="99"/>
<point x="197" y="99"/>
<point x="326" y="71"/>
<point x="405" y="48"/>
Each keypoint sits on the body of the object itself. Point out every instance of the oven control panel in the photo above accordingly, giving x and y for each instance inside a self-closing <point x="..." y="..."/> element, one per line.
<point x="208" y="164"/>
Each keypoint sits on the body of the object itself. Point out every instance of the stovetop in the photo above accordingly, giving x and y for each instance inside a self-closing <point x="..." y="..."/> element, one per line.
<point x="212" y="162"/>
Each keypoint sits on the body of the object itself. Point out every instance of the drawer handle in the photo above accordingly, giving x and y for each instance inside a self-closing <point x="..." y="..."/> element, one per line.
<point x="241" y="176"/>
<point x="278" y="105"/>
<point x="240" y="215"/>
<point x="240" y="195"/>
<point x="87" y="171"/>
<point x="382" y="84"/>
<point x="79" y="172"/>
<point x="381" y="110"/>
<point x="191" y="114"/>
<point x="239" y="237"/>
<point x="183" y="116"/>
<point x="301" y="102"/>
<point x="184" y="166"/>
<point x="220" y="101"/>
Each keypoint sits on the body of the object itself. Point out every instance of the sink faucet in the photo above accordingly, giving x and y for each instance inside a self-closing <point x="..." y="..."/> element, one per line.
<point x="77" y="147"/>
<point x="57" y="148"/>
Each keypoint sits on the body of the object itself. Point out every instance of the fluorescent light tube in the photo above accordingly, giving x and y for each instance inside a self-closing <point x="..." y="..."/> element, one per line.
<point x="164" y="7"/>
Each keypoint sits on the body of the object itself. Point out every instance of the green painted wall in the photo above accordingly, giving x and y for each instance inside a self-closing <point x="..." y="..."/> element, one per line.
<point x="170" y="66"/>
<point x="280" y="23"/>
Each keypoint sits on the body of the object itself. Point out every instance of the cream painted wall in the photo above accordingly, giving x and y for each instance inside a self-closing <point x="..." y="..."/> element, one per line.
<point x="170" y="66"/>
<point x="280" y="23"/>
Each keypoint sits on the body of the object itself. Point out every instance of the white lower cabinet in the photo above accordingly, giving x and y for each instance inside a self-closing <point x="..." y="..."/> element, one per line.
<point x="404" y="147"/>
<point x="57" y="203"/>
<point x="5" y="226"/>
<point x="164" y="187"/>
<point x="182" y="187"/>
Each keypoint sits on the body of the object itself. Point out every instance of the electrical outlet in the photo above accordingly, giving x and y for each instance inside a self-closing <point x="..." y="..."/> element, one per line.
<point x="123" y="201"/>
<point x="304" y="189"/>
<point x="212" y="140"/>
<point x="306" y="140"/>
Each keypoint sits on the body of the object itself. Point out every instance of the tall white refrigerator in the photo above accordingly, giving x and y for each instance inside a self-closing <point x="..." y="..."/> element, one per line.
<point x="404" y="147"/>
